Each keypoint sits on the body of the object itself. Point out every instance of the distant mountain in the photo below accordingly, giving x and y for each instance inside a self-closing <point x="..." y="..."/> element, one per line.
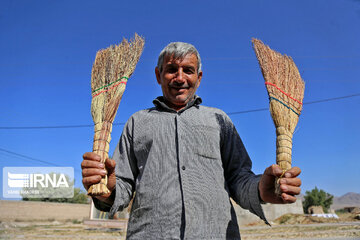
<point x="350" y="199"/>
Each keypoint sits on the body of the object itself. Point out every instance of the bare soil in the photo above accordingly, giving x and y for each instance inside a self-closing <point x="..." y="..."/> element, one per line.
<point x="300" y="226"/>
<point x="30" y="211"/>
<point x="74" y="230"/>
<point x="38" y="220"/>
<point x="71" y="230"/>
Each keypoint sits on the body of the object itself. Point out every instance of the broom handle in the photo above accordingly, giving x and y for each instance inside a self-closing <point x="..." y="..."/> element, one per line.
<point x="283" y="152"/>
<point x="283" y="148"/>
<point x="102" y="137"/>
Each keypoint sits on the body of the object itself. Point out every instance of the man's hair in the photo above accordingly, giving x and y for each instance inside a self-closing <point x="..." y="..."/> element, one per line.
<point x="178" y="50"/>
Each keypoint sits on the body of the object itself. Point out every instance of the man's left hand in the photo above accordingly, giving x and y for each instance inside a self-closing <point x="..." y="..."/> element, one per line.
<point x="289" y="185"/>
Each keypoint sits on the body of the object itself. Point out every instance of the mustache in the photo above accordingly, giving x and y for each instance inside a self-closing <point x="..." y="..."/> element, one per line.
<point x="179" y="84"/>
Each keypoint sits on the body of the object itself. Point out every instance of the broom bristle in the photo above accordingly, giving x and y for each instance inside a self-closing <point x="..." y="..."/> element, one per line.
<point x="111" y="69"/>
<point x="282" y="73"/>
<point x="286" y="92"/>
<point x="112" y="66"/>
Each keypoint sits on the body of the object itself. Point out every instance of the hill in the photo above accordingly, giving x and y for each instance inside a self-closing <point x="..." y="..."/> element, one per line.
<point x="350" y="199"/>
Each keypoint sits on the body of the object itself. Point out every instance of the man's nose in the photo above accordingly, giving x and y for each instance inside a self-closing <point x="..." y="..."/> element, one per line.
<point x="180" y="75"/>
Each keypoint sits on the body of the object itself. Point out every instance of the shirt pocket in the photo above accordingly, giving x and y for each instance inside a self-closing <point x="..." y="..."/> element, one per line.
<point x="206" y="142"/>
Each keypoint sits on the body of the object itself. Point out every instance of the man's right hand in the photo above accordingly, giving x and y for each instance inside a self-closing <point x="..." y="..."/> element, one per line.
<point x="93" y="170"/>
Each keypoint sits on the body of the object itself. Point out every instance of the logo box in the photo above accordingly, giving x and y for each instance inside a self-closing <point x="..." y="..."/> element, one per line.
<point x="38" y="182"/>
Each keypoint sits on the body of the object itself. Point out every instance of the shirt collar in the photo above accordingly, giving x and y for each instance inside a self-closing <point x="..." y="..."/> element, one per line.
<point x="159" y="102"/>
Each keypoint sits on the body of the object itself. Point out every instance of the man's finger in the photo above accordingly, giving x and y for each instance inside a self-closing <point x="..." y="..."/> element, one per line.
<point x="293" y="172"/>
<point x="290" y="189"/>
<point x="91" y="156"/>
<point x="110" y="164"/>
<point x="274" y="171"/>
<point x="88" y="181"/>
<point x="88" y="172"/>
<point x="291" y="181"/>
<point x="91" y="164"/>
<point x="288" y="198"/>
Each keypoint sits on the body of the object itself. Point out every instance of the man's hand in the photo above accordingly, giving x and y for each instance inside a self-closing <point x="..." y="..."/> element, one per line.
<point x="93" y="170"/>
<point x="289" y="185"/>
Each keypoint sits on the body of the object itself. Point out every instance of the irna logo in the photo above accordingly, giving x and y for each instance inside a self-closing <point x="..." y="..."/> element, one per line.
<point x="16" y="180"/>
<point x="38" y="182"/>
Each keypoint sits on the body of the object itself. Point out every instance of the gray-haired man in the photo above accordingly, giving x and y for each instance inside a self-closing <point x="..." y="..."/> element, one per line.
<point x="184" y="161"/>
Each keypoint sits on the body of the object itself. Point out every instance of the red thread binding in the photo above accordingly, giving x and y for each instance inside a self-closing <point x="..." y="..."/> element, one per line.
<point x="269" y="83"/>
<point x="108" y="89"/>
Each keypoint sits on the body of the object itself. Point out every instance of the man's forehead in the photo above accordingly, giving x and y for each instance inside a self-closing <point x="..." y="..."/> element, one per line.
<point x="171" y="59"/>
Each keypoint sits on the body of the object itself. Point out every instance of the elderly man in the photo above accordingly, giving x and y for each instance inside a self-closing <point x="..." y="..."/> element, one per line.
<point x="184" y="161"/>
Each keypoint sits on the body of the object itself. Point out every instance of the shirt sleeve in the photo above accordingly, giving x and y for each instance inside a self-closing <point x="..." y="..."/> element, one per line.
<point x="241" y="181"/>
<point x="125" y="172"/>
<point x="102" y="206"/>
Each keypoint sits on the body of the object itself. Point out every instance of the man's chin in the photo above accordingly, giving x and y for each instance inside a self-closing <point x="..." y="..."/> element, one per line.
<point x="182" y="100"/>
<point x="177" y="103"/>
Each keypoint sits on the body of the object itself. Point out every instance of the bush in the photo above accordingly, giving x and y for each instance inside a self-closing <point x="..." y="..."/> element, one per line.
<point x="79" y="197"/>
<point x="317" y="197"/>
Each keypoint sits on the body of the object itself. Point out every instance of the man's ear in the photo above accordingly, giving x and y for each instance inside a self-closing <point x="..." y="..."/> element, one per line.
<point x="157" y="74"/>
<point x="199" y="78"/>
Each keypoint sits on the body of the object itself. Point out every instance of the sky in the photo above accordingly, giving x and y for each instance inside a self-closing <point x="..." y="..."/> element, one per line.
<point x="48" y="48"/>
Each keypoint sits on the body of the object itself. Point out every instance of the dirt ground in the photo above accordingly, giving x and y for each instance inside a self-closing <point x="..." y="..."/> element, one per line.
<point x="56" y="230"/>
<point x="54" y="221"/>
<point x="30" y="211"/>
<point x="346" y="230"/>
<point x="75" y="230"/>
<point x="300" y="226"/>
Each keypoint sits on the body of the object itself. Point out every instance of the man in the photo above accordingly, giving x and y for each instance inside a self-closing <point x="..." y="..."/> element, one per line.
<point x="183" y="160"/>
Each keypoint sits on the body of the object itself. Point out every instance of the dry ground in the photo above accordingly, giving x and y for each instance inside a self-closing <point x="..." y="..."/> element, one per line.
<point x="345" y="230"/>
<point x="56" y="230"/>
<point x="77" y="230"/>
<point x="29" y="211"/>
<point x="64" y="221"/>
<point x="299" y="226"/>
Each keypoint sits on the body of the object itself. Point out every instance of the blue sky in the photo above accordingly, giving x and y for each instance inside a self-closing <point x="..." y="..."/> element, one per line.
<point x="48" y="47"/>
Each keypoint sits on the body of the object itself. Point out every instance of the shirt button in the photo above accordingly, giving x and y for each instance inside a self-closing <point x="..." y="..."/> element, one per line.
<point x="183" y="167"/>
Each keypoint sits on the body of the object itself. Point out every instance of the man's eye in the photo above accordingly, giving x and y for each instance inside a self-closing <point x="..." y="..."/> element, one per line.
<point x="189" y="70"/>
<point x="171" y="70"/>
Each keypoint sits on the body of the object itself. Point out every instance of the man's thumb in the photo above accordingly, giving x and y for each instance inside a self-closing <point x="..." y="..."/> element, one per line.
<point x="110" y="165"/>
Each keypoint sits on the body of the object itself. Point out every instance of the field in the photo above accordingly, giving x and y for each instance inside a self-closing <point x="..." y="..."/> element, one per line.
<point x="77" y="230"/>
<point x="31" y="223"/>
<point x="296" y="226"/>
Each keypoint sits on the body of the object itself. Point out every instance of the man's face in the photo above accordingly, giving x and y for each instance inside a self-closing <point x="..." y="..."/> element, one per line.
<point x="179" y="80"/>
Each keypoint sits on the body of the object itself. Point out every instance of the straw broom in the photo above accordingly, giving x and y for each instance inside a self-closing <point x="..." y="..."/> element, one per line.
<point x="112" y="68"/>
<point x="286" y="92"/>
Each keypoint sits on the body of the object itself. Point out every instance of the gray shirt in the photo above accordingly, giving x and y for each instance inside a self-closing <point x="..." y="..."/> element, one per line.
<point x="183" y="166"/>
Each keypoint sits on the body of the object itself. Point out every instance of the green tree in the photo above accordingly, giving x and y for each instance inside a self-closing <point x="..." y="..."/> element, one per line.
<point x="49" y="191"/>
<point x="55" y="194"/>
<point x="317" y="197"/>
<point x="79" y="197"/>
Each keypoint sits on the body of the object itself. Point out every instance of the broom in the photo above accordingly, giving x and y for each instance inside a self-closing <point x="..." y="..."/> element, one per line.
<point x="112" y="68"/>
<point x="286" y="92"/>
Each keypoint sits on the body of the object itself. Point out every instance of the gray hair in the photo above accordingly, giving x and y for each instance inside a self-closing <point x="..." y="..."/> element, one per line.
<point x="178" y="50"/>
